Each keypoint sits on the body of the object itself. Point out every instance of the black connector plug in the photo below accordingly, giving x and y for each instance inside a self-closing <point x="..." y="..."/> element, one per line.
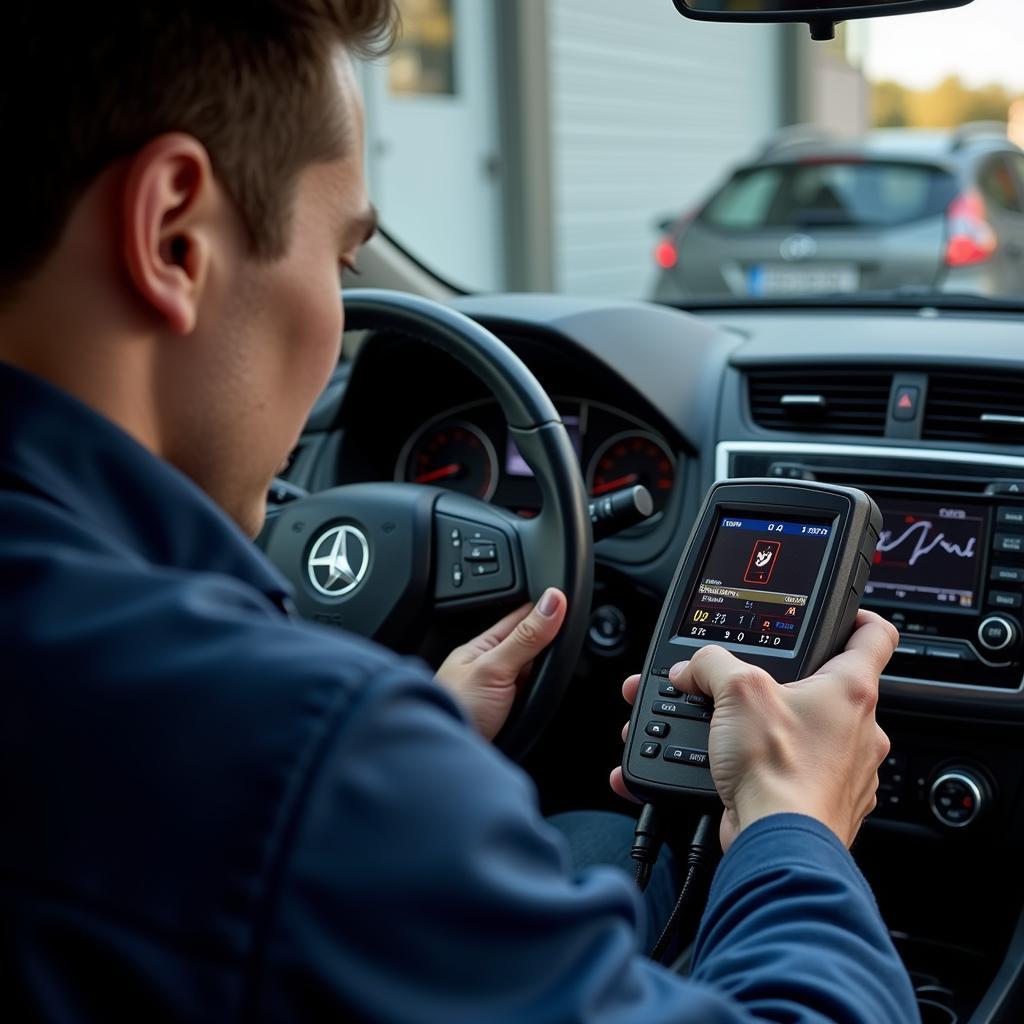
<point x="647" y="839"/>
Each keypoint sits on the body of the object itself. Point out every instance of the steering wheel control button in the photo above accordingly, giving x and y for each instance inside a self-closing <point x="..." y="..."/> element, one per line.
<point x="1006" y="574"/>
<point x="668" y="690"/>
<point x="656" y="729"/>
<point x="687" y="755"/>
<point x="483" y="559"/>
<point x="1010" y="543"/>
<point x="957" y="797"/>
<point x="904" y="403"/>
<point x="650" y="749"/>
<point x="997" y="633"/>
<point x="1004" y="599"/>
<point x="480" y="553"/>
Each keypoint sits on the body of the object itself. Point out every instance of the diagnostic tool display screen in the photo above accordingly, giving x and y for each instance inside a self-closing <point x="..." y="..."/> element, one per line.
<point x="928" y="553"/>
<point x="756" y="581"/>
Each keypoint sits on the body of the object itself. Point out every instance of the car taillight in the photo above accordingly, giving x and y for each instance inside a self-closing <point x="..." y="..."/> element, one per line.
<point x="666" y="255"/>
<point x="971" y="238"/>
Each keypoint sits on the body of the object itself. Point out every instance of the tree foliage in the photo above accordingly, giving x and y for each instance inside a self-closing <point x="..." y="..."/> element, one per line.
<point x="945" y="105"/>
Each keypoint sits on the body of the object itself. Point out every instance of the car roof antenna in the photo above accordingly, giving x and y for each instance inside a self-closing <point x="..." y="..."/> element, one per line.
<point x="823" y="29"/>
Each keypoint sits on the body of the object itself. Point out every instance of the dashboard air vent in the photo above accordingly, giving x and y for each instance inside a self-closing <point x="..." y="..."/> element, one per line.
<point x="811" y="402"/>
<point x="975" y="407"/>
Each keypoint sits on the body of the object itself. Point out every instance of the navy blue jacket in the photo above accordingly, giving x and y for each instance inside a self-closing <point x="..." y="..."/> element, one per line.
<point x="213" y="813"/>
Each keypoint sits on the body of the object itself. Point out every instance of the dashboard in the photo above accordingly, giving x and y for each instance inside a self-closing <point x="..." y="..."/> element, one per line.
<point x="467" y="449"/>
<point x="921" y="408"/>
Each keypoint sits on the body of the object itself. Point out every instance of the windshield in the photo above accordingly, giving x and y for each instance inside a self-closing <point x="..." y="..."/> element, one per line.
<point x="602" y="148"/>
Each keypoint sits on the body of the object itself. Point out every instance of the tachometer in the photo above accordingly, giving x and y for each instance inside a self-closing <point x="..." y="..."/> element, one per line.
<point x="631" y="458"/>
<point x="452" y="454"/>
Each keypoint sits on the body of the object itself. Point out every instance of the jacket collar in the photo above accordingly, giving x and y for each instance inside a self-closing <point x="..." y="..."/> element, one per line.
<point x="60" y="448"/>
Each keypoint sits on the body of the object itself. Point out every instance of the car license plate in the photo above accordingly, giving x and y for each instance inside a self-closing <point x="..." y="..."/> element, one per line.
<point x="767" y="279"/>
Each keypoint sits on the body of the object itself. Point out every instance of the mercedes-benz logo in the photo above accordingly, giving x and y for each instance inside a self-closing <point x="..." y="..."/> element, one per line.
<point x="338" y="560"/>
<point x="798" y="247"/>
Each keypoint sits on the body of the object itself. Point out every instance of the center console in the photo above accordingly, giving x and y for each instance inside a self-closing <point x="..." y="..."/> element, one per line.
<point x="948" y="572"/>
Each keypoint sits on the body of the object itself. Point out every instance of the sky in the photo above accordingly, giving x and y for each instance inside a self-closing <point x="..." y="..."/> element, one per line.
<point x="982" y="43"/>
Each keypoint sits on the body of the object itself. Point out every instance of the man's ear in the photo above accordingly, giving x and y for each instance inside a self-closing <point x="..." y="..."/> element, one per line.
<point x="169" y="199"/>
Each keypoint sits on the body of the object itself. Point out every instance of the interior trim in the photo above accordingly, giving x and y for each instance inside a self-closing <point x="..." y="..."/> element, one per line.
<point x="726" y="448"/>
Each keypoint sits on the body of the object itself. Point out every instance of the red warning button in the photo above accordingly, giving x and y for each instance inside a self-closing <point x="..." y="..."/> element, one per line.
<point x="904" y="406"/>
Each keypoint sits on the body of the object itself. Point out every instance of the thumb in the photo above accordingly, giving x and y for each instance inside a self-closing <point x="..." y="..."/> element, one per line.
<point x="531" y="635"/>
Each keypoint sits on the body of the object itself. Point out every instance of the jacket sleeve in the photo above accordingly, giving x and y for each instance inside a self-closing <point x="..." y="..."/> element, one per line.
<point x="793" y="933"/>
<point x="420" y="884"/>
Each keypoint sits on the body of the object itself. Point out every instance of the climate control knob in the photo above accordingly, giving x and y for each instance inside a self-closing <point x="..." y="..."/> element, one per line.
<point x="958" y="797"/>
<point x="998" y="633"/>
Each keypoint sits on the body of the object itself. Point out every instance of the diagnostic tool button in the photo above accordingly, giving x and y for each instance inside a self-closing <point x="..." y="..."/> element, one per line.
<point x="668" y="690"/>
<point x="656" y="729"/>
<point x="699" y="700"/>
<point x="687" y="755"/>
<point x="680" y="709"/>
<point x="649" y="749"/>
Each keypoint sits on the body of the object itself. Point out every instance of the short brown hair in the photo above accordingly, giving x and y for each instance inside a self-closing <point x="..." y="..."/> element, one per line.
<point x="83" y="84"/>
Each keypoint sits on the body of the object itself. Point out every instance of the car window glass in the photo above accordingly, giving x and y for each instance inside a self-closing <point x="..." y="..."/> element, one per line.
<point x="745" y="202"/>
<point x="832" y="194"/>
<point x="997" y="184"/>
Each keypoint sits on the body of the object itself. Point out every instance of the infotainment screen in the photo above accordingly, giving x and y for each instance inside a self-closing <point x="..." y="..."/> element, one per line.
<point x="757" y="578"/>
<point x="928" y="553"/>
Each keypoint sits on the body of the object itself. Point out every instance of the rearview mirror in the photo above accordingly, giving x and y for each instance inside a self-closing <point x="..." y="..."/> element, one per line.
<point x="821" y="15"/>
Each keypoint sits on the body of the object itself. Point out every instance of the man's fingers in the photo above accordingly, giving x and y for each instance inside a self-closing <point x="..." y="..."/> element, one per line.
<point x="867" y="653"/>
<point x="713" y="670"/>
<point x="490" y="638"/>
<point x="530" y="634"/>
<point x="630" y="688"/>
<point x="618" y="785"/>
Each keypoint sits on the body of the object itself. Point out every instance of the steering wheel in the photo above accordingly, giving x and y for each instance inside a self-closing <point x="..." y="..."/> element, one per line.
<point x="378" y="559"/>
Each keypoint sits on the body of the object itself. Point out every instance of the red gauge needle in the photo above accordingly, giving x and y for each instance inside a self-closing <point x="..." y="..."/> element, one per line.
<point x="614" y="485"/>
<point x="439" y="474"/>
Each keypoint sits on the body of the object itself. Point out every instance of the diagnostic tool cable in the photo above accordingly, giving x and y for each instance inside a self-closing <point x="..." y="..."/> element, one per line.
<point x="648" y="838"/>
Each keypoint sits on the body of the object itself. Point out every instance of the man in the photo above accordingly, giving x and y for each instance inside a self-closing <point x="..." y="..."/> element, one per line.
<point x="212" y="812"/>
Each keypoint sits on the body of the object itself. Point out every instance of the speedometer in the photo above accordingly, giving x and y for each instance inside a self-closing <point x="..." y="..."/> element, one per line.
<point x="452" y="454"/>
<point x="631" y="458"/>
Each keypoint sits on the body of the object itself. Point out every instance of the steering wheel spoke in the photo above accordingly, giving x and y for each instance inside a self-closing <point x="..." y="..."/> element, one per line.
<point x="380" y="559"/>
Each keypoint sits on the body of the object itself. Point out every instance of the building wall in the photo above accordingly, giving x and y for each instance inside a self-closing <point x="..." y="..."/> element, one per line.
<point x="646" y="114"/>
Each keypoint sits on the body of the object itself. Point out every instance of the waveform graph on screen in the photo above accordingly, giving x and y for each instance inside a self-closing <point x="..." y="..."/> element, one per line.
<point x="928" y="554"/>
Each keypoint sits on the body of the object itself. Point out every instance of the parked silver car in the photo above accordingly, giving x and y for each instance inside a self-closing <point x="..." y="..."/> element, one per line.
<point x="895" y="210"/>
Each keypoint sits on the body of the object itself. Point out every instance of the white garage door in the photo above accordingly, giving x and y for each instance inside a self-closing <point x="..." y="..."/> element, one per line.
<point x="648" y="112"/>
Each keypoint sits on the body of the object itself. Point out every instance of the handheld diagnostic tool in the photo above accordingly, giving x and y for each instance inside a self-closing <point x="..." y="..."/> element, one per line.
<point x="774" y="572"/>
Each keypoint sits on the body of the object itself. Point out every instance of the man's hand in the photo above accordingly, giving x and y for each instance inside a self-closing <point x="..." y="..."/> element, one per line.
<point x="810" y="747"/>
<point x="485" y="674"/>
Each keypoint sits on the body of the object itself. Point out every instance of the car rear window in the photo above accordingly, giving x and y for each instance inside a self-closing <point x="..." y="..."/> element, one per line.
<point x="830" y="194"/>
